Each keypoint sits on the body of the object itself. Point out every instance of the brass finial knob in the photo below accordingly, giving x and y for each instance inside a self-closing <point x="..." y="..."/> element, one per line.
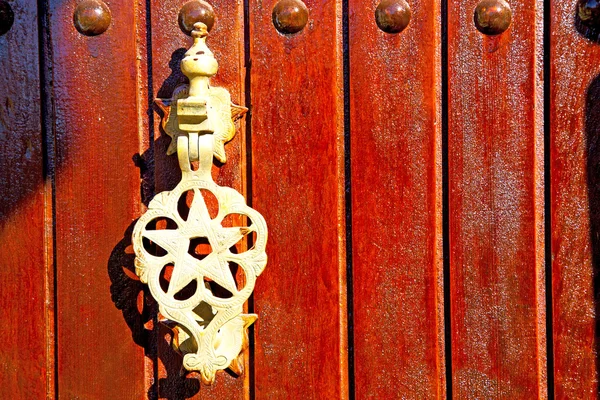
<point x="200" y="30"/>
<point x="199" y="63"/>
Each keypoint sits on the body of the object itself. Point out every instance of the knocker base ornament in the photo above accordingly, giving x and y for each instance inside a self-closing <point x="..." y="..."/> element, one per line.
<point x="202" y="301"/>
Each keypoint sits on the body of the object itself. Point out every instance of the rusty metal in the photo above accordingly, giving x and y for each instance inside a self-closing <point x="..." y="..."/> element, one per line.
<point x="392" y="16"/>
<point x="91" y="17"/>
<point x="7" y="17"/>
<point x="492" y="17"/>
<point x="290" y="16"/>
<point x="196" y="11"/>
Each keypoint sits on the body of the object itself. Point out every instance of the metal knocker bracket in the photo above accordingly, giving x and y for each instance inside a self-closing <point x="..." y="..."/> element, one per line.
<point x="202" y="301"/>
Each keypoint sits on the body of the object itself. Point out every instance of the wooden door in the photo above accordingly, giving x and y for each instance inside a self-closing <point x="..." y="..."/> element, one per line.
<point x="431" y="196"/>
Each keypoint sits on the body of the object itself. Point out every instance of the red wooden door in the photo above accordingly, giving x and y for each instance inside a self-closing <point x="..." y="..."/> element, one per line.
<point x="431" y="197"/>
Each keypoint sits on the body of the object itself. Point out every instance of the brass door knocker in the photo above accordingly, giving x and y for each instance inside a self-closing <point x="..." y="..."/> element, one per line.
<point x="202" y="299"/>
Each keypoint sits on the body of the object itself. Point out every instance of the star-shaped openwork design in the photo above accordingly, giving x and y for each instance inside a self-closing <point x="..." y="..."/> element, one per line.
<point x="206" y="316"/>
<point x="176" y="242"/>
<point x="201" y="298"/>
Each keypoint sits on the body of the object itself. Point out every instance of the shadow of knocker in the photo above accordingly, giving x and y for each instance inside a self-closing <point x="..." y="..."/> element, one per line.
<point x="140" y="312"/>
<point x="592" y="148"/>
<point x="586" y="20"/>
<point x="128" y="293"/>
<point x="158" y="172"/>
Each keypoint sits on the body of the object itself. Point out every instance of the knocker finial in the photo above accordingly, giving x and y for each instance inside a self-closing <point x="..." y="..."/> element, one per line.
<point x="200" y="107"/>
<point x="195" y="262"/>
<point x="199" y="63"/>
<point x="200" y="30"/>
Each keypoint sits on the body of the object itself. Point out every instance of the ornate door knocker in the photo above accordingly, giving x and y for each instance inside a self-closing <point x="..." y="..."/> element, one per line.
<point x="202" y="300"/>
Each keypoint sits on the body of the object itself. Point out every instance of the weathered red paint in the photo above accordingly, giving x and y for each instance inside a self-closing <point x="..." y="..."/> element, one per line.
<point x="496" y="209"/>
<point x="298" y="186"/>
<point x="95" y="123"/>
<point x="396" y="182"/>
<point x="575" y="198"/>
<point x="26" y="356"/>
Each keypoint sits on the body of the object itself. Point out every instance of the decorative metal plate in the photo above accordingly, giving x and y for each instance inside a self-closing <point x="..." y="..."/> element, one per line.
<point x="201" y="293"/>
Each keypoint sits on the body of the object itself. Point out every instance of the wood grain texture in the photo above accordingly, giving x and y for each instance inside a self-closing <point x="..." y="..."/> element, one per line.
<point x="396" y="205"/>
<point x="495" y="156"/>
<point x="168" y="45"/>
<point x="298" y="186"/>
<point x="575" y="202"/>
<point x="99" y="303"/>
<point x="23" y="355"/>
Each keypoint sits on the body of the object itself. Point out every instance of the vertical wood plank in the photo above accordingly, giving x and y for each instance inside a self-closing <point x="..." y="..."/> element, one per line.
<point x="495" y="147"/>
<point x="298" y="185"/>
<point x="396" y="205"/>
<point x="575" y="201"/>
<point x="168" y="45"/>
<point x="23" y="355"/>
<point x="95" y="94"/>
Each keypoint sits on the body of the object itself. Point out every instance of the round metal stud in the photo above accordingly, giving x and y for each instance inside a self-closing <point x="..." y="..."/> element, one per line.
<point x="492" y="17"/>
<point x="91" y="17"/>
<point x="392" y="16"/>
<point x="290" y="16"/>
<point x="195" y="11"/>
<point x="7" y="17"/>
<point x="589" y="13"/>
